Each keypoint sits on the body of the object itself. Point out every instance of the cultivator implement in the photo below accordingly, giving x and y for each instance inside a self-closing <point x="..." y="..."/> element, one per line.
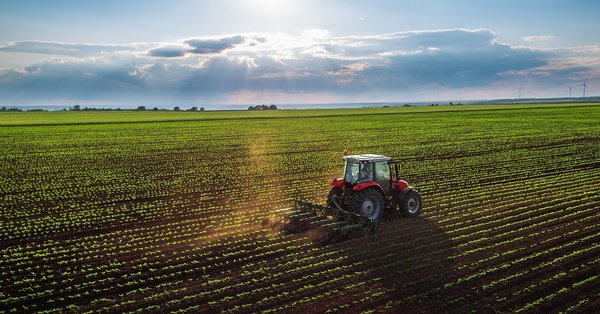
<point x="323" y="223"/>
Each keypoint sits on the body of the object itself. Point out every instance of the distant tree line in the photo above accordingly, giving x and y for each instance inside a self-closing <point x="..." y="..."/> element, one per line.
<point x="15" y="109"/>
<point x="10" y="109"/>
<point x="190" y="109"/>
<point x="263" y="107"/>
<point x="78" y="108"/>
<point x="139" y="108"/>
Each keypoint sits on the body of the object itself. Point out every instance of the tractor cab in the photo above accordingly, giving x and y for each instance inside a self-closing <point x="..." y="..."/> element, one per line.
<point x="361" y="169"/>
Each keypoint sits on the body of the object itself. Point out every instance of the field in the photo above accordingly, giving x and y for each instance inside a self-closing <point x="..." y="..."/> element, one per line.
<point x="164" y="211"/>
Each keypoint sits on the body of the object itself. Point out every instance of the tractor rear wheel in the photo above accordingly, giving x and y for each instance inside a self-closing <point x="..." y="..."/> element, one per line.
<point x="368" y="203"/>
<point x="410" y="205"/>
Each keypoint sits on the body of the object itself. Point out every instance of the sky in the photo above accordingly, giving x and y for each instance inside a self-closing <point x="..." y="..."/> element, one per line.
<point x="295" y="51"/>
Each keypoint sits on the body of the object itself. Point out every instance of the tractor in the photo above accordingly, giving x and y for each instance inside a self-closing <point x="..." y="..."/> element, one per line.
<point x="370" y="187"/>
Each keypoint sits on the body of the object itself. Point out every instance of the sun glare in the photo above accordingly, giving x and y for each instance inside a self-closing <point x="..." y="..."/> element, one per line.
<point x="269" y="4"/>
<point x="271" y="9"/>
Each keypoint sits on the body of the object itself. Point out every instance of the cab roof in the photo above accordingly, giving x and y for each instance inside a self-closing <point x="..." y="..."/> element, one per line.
<point x="366" y="158"/>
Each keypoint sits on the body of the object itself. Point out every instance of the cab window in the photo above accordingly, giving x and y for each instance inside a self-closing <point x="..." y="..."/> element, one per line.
<point x="382" y="171"/>
<point x="366" y="172"/>
<point x="351" y="173"/>
<point x="382" y="174"/>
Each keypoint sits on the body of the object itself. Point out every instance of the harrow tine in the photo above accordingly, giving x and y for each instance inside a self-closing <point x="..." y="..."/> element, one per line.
<point x="321" y="222"/>
<point x="283" y="210"/>
<point x="290" y="213"/>
<point x="313" y="219"/>
<point x="335" y="225"/>
<point x="301" y="215"/>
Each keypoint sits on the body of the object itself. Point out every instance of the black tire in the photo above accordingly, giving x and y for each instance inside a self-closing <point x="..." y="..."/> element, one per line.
<point x="336" y="193"/>
<point x="368" y="203"/>
<point x="411" y="203"/>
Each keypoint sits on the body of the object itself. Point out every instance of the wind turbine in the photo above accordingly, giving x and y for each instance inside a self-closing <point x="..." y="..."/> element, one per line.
<point x="584" y="85"/>
<point x="520" y="89"/>
<point x="570" y="89"/>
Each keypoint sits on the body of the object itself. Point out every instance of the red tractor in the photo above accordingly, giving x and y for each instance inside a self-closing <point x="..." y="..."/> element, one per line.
<point x="358" y="200"/>
<point x="369" y="187"/>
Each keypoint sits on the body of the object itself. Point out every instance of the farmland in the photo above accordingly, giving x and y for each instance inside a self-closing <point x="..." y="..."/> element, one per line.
<point x="164" y="211"/>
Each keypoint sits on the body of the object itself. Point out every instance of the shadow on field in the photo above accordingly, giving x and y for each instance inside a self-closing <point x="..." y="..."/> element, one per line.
<point x="406" y="260"/>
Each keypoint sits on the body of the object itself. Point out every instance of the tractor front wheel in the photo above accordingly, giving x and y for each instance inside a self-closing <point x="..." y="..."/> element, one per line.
<point x="368" y="203"/>
<point x="334" y="193"/>
<point x="410" y="205"/>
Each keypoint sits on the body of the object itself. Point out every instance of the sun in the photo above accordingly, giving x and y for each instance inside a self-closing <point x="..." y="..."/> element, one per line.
<point x="269" y="4"/>
<point x="270" y="8"/>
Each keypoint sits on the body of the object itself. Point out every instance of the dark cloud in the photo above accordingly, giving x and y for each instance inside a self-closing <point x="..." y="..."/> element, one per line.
<point x="168" y="52"/>
<point x="203" y="46"/>
<point x="207" y="46"/>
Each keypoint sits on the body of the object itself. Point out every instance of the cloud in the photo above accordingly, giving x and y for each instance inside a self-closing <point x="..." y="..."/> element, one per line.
<point x="90" y="80"/>
<point x="445" y="64"/>
<point x="567" y="64"/>
<point x="62" y="49"/>
<point x="168" y="52"/>
<point x="385" y="66"/>
<point x="205" y="46"/>
<point x="537" y="38"/>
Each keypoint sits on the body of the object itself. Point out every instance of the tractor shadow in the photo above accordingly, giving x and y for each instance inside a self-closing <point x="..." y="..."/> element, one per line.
<point x="407" y="259"/>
